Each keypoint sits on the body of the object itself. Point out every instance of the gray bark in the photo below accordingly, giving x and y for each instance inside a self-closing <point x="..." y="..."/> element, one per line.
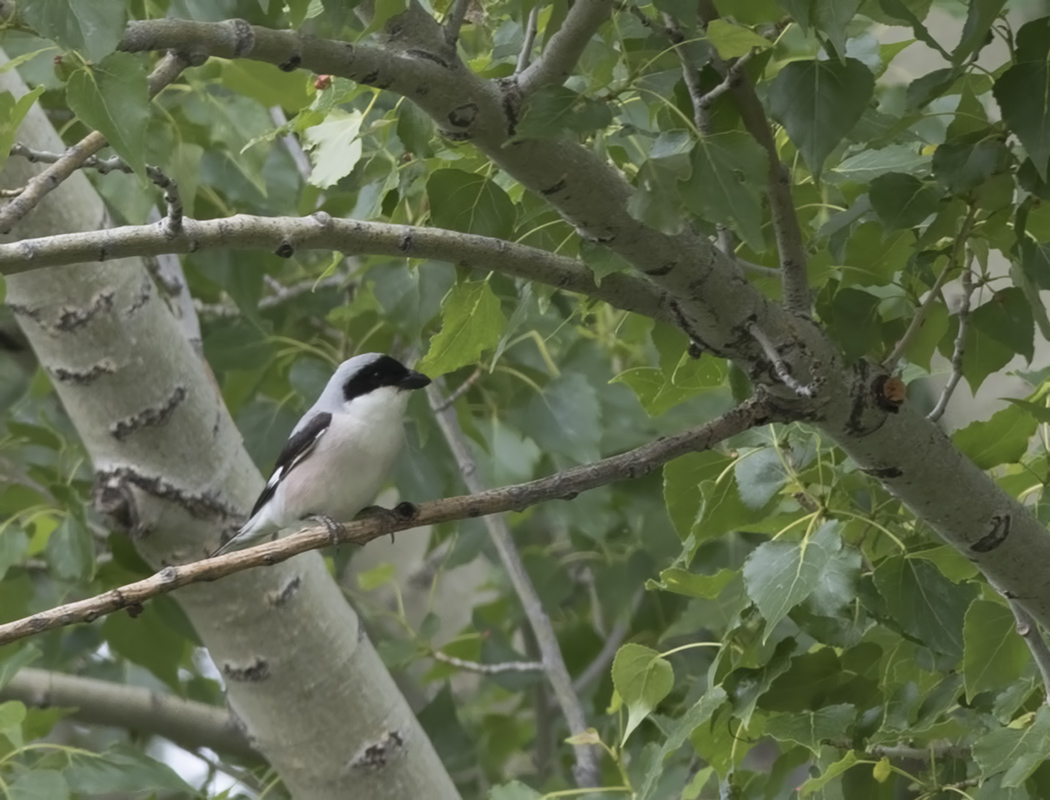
<point x="300" y="672"/>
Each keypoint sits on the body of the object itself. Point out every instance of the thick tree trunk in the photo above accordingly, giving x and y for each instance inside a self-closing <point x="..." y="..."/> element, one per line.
<point x="300" y="672"/>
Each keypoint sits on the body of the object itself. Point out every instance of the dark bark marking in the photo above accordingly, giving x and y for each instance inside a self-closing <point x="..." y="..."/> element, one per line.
<point x="258" y="670"/>
<point x="82" y="377"/>
<point x="463" y="116"/>
<point x="112" y="495"/>
<point x="154" y="416"/>
<point x="378" y="754"/>
<point x="884" y="473"/>
<point x="553" y="189"/>
<point x="69" y="319"/>
<point x="285" y="593"/>
<point x="995" y="537"/>
<point x="658" y="272"/>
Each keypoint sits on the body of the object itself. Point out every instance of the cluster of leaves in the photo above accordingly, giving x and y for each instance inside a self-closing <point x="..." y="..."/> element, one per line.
<point x="803" y="625"/>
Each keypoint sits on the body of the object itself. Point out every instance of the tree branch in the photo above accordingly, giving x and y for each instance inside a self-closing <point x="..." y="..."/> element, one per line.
<point x="563" y="485"/>
<point x="286" y="235"/>
<point x="166" y="71"/>
<point x="487" y="669"/>
<point x="531" y="29"/>
<point x="958" y="246"/>
<point x="960" y="348"/>
<point x="1029" y="631"/>
<point x="794" y="277"/>
<point x="565" y="47"/>
<point x="457" y="13"/>
<point x="187" y="723"/>
<point x="588" y="769"/>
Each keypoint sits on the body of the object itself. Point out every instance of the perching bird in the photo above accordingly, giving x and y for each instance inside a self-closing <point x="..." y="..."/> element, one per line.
<point x="341" y="451"/>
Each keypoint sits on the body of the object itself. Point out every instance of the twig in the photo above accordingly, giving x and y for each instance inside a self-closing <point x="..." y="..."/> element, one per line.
<point x="564" y="47"/>
<point x="454" y="23"/>
<point x="186" y="722"/>
<point x="287" y="235"/>
<point x="166" y="71"/>
<point x="795" y="280"/>
<point x="906" y="752"/>
<point x="12" y="192"/>
<point x="531" y="28"/>
<point x="613" y="641"/>
<point x="291" y="144"/>
<point x="779" y="367"/>
<point x="587" y="770"/>
<point x="101" y="165"/>
<point x="487" y="669"/>
<point x="459" y="391"/>
<point x="890" y="364"/>
<point x="282" y="294"/>
<point x="960" y="347"/>
<point x="1029" y="631"/>
<point x="562" y="485"/>
<point x="172" y="222"/>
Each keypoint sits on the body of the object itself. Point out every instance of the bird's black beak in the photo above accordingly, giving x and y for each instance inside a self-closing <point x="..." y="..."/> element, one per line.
<point x="414" y="380"/>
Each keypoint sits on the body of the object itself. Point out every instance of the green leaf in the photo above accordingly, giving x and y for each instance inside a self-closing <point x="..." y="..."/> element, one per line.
<point x="472" y="321"/>
<point x="1023" y="95"/>
<point x="379" y="575"/>
<point x="832" y="17"/>
<point x="12" y="715"/>
<point x="147" y="641"/>
<point x="123" y="769"/>
<point x="14" y="544"/>
<point x="869" y="164"/>
<point x="818" y="102"/>
<point x="566" y="418"/>
<point x="682" y="581"/>
<point x="965" y="163"/>
<point x="982" y="356"/>
<point x="697" y="714"/>
<point x="335" y="147"/>
<point x="924" y="603"/>
<point x="71" y="550"/>
<point x="780" y="575"/>
<point x="1007" y="318"/>
<point x="515" y="790"/>
<point x="471" y="203"/>
<point x="723" y="186"/>
<point x="1001" y="439"/>
<point x="733" y="41"/>
<point x="811" y="728"/>
<point x="828" y="775"/>
<point x="552" y="110"/>
<point x="92" y="28"/>
<point x="1015" y="751"/>
<point x="903" y="201"/>
<point x="760" y="475"/>
<point x="39" y="784"/>
<point x="994" y="655"/>
<point x="12" y="112"/>
<point x="15" y="661"/>
<point x="113" y="98"/>
<point x="976" y="31"/>
<point x="642" y="678"/>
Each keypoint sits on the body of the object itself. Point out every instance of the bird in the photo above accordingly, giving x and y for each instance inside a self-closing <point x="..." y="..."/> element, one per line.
<point x="339" y="454"/>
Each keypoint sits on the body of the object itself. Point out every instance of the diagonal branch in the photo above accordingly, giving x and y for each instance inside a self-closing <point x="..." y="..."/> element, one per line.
<point x="959" y="353"/>
<point x="286" y="235"/>
<point x="167" y="70"/>
<point x="588" y="770"/>
<point x="562" y="485"/>
<point x="794" y="277"/>
<point x="565" y="47"/>
<point x="1028" y="629"/>
<point x="188" y="723"/>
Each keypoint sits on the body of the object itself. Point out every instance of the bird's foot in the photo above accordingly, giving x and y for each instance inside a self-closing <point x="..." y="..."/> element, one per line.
<point x="335" y="529"/>
<point x="392" y="517"/>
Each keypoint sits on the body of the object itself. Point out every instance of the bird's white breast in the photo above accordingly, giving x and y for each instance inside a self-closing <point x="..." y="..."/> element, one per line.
<point x="350" y="462"/>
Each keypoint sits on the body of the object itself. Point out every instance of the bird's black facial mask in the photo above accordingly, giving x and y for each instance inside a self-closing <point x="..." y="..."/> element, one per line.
<point x="384" y="371"/>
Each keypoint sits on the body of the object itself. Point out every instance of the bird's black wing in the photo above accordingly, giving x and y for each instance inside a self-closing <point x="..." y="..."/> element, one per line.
<point x="298" y="446"/>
